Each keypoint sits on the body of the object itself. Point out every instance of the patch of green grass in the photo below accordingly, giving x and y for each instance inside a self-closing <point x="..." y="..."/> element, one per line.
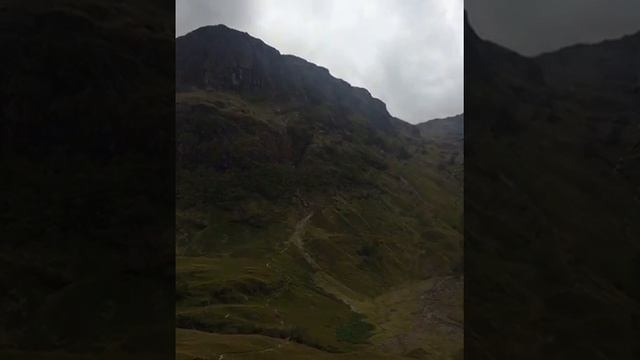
<point x="355" y="331"/>
<point x="244" y="296"/>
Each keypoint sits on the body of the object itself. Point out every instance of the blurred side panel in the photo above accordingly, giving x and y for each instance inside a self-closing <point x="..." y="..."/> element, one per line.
<point x="552" y="210"/>
<point x="87" y="159"/>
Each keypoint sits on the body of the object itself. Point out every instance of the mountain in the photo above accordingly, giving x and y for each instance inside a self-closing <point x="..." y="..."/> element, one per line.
<point x="232" y="61"/>
<point x="447" y="135"/>
<point x="551" y="201"/>
<point x="306" y="212"/>
<point x="447" y="128"/>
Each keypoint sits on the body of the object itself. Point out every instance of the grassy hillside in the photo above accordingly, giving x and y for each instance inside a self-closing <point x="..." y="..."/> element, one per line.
<point x="324" y="222"/>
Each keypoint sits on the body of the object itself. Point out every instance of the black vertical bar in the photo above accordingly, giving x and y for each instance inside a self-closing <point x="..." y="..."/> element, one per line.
<point x="87" y="153"/>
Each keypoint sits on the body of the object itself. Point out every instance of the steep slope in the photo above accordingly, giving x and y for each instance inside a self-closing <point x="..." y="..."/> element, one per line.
<point x="305" y="210"/>
<point x="233" y="62"/>
<point x="447" y="135"/>
<point x="551" y="219"/>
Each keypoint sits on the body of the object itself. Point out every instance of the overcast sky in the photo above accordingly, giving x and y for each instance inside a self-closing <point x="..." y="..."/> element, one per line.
<point x="534" y="27"/>
<point x="408" y="53"/>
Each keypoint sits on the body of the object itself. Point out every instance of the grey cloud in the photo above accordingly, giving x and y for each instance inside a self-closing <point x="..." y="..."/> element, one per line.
<point x="407" y="53"/>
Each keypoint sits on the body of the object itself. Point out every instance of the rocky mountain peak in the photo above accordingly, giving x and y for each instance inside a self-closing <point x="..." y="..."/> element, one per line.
<point x="218" y="58"/>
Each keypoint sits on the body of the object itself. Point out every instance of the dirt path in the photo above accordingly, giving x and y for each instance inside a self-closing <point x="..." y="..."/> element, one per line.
<point x="297" y="238"/>
<point x="322" y="279"/>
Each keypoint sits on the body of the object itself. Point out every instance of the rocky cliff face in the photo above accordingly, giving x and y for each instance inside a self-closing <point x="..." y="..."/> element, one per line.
<point x="235" y="61"/>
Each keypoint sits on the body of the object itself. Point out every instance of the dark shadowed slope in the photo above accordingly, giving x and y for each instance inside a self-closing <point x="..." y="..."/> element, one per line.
<point x="451" y="128"/>
<point x="448" y="136"/>
<point x="306" y="212"/>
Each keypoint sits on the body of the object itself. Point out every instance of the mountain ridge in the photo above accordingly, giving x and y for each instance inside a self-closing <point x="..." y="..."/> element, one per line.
<point x="252" y="66"/>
